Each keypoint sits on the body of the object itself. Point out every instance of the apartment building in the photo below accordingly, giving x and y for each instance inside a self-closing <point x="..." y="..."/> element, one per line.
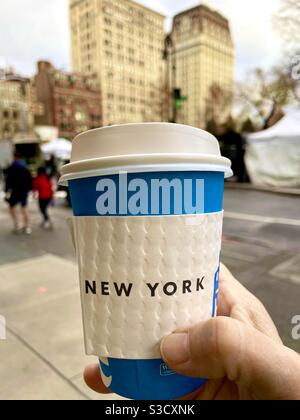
<point x="121" y="42"/>
<point x="203" y="56"/>
<point x="17" y="106"/>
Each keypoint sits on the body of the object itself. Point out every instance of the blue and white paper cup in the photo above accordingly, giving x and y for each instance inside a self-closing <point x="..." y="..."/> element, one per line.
<point x="147" y="204"/>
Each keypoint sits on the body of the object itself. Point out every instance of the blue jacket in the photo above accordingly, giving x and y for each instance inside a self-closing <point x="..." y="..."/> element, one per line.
<point x="18" y="179"/>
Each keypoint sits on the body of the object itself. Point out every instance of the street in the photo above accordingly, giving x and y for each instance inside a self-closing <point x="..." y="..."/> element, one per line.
<point x="43" y="355"/>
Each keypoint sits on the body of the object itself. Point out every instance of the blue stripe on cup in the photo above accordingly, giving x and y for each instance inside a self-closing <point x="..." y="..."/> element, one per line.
<point x="88" y="195"/>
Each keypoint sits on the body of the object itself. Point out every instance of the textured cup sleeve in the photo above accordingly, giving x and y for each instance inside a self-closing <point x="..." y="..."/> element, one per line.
<point x="141" y="278"/>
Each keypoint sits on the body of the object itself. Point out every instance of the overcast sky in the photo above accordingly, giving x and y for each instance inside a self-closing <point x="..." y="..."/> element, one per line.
<point x="38" y="29"/>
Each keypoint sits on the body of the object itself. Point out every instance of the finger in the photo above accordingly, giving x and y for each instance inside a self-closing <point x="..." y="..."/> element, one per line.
<point x="233" y="292"/>
<point x="226" y="348"/>
<point x="237" y="302"/>
<point x="93" y="379"/>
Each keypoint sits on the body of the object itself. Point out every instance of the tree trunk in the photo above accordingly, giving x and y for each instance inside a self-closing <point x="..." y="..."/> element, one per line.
<point x="270" y="116"/>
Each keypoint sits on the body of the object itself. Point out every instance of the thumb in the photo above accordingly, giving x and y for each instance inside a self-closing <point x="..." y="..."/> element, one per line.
<point x="226" y="348"/>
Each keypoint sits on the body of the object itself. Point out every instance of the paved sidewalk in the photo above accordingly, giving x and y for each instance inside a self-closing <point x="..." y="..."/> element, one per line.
<point x="43" y="356"/>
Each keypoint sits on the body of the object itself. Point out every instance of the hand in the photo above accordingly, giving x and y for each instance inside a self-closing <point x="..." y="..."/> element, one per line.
<point x="240" y="352"/>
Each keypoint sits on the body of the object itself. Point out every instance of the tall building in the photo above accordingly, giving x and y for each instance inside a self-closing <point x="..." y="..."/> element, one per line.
<point x="71" y="102"/>
<point x="122" y="43"/>
<point x="203" y="54"/>
<point x="17" y="106"/>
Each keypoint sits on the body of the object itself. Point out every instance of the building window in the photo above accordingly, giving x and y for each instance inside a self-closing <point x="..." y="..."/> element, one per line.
<point x="80" y="114"/>
<point x="6" y="128"/>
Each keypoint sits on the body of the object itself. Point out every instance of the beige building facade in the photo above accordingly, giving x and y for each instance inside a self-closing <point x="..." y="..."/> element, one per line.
<point x="122" y="43"/>
<point x="203" y="52"/>
<point x="17" y="106"/>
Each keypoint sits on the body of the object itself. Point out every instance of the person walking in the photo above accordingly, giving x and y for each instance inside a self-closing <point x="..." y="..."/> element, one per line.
<point x="43" y="187"/>
<point x="18" y="184"/>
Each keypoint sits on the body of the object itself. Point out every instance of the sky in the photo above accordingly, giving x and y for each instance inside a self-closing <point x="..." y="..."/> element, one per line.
<point x="31" y="30"/>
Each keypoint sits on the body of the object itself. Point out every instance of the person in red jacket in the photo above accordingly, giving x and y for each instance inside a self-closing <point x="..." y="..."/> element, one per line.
<point x="43" y="186"/>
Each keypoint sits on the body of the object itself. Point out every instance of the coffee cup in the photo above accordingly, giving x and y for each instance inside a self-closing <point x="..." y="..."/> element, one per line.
<point x="147" y="202"/>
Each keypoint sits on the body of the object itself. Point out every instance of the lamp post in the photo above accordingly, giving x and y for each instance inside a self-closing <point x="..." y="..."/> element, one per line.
<point x="169" y="57"/>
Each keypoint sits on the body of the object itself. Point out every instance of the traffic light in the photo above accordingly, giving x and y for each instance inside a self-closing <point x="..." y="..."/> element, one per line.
<point x="179" y="99"/>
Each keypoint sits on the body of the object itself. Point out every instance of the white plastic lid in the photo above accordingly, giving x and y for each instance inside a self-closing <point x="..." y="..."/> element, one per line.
<point x="144" y="148"/>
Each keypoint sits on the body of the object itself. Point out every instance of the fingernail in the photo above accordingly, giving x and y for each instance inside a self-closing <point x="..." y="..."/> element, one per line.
<point x="175" y="348"/>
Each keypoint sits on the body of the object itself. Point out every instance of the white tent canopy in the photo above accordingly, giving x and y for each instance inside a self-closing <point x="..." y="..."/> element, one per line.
<point x="60" y="148"/>
<point x="273" y="155"/>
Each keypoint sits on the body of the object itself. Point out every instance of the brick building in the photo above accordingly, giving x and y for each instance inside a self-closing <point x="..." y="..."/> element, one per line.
<point x="71" y="102"/>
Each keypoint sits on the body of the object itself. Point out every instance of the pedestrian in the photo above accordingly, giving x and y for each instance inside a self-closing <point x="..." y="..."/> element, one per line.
<point x="18" y="184"/>
<point x="43" y="187"/>
<point x="50" y="167"/>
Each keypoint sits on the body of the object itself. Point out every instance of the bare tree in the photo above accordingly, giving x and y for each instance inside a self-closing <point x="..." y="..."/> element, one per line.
<point x="218" y="107"/>
<point x="287" y="20"/>
<point x="264" y="94"/>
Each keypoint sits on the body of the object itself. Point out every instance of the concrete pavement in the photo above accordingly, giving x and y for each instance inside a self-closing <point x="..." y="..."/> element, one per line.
<point x="261" y="233"/>
<point x="43" y="356"/>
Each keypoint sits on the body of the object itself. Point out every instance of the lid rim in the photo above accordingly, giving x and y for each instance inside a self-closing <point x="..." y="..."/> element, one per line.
<point x="174" y="167"/>
<point x="131" y="160"/>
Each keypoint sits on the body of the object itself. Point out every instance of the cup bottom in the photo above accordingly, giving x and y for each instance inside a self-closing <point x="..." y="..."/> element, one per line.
<point x="146" y="380"/>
